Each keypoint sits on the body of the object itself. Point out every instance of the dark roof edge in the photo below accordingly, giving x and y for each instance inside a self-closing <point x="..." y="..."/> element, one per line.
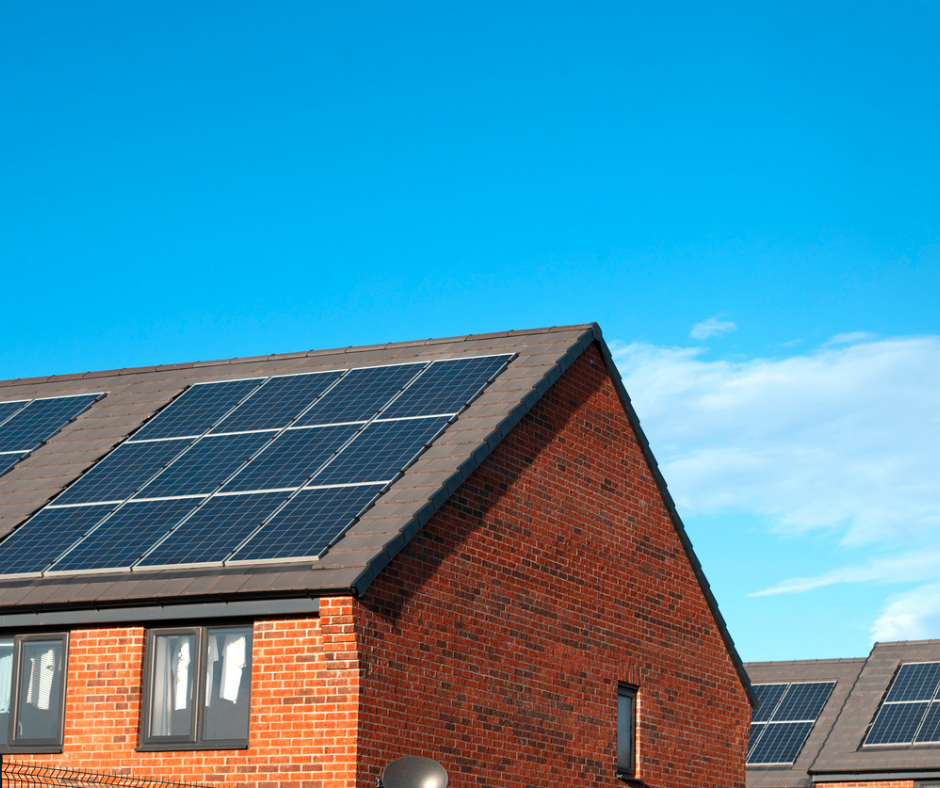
<point x="674" y="515"/>
<point x="786" y="662"/>
<point x="590" y="335"/>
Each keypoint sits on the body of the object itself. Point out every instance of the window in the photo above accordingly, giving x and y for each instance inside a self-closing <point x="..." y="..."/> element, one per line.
<point x="32" y="692"/>
<point x="198" y="688"/>
<point x="626" y="730"/>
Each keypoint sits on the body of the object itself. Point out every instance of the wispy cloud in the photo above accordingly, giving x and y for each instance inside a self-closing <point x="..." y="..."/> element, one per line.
<point x="913" y="615"/>
<point x="712" y="327"/>
<point x="845" y="437"/>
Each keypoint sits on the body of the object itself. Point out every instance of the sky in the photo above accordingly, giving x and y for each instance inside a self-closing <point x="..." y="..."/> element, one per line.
<point x="745" y="197"/>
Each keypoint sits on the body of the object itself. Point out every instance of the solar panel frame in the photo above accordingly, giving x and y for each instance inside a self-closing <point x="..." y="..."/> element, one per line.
<point x="40" y="419"/>
<point x="906" y="707"/>
<point x="929" y="730"/>
<point x="897" y="723"/>
<point x="768" y="697"/>
<point x="803" y="701"/>
<point x="796" y="706"/>
<point x="8" y="460"/>
<point x="779" y="744"/>
<point x="914" y="681"/>
<point x="9" y="408"/>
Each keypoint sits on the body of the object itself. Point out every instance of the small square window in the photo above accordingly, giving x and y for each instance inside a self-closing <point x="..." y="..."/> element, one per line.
<point x="32" y="692"/>
<point x="198" y="688"/>
<point x="626" y="730"/>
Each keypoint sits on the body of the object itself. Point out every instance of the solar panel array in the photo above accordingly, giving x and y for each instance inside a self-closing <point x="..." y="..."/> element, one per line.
<point x="262" y="469"/>
<point x="25" y="424"/>
<point x="910" y="713"/>
<point x="784" y="716"/>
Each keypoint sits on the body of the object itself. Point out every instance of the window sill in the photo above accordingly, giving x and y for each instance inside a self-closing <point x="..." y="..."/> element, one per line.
<point x="50" y="749"/>
<point x="189" y="746"/>
<point x="635" y="782"/>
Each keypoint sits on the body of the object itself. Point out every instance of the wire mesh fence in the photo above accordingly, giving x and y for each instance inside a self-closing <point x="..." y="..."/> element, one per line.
<point x="14" y="774"/>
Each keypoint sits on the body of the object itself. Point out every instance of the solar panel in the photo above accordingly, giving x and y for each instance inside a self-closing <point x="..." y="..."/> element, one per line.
<point x="768" y="696"/>
<point x="197" y="409"/>
<point x="803" y="702"/>
<point x="291" y="459"/>
<point x="780" y="743"/>
<point x="122" y="472"/>
<point x="124" y="537"/>
<point x="206" y="465"/>
<point x="215" y="529"/>
<point x="360" y="395"/>
<point x="308" y="524"/>
<point x="7" y="409"/>
<point x="40" y="420"/>
<point x="907" y="705"/>
<point x="914" y="681"/>
<point x="784" y="716"/>
<point x="33" y="546"/>
<point x="381" y="451"/>
<point x="445" y="387"/>
<point x="897" y="723"/>
<point x="277" y="402"/>
<point x="929" y="732"/>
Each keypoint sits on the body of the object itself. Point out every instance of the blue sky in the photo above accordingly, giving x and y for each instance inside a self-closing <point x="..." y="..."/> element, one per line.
<point x="745" y="196"/>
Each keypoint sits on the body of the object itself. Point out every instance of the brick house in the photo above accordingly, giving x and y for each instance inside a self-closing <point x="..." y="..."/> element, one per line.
<point x="293" y="569"/>
<point x="848" y="723"/>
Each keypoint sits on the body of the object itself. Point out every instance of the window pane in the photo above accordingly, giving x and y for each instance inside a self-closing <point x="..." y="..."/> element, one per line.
<point x="625" y="734"/>
<point x="171" y="696"/>
<point x="40" y="690"/>
<point x="6" y="680"/>
<point x="228" y="684"/>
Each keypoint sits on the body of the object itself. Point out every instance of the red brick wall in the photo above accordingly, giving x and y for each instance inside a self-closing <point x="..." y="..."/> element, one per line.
<point x="494" y="642"/>
<point x="304" y="697"/>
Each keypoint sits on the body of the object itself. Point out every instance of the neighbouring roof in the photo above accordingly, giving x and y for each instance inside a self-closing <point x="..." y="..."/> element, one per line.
<point x="839" y="747"/>
<point x="125" y="400"/>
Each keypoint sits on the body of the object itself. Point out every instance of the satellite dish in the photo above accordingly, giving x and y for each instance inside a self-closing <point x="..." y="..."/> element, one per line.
<point x="412" y="771"/>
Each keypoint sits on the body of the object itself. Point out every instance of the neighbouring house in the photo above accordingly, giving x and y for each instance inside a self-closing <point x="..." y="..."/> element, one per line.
<point x="291" y="570"/>
<point x="847" y="723"/>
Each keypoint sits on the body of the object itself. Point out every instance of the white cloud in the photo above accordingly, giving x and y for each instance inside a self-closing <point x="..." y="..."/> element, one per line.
<point x="913" y="615"/>
<point x="712" y="327"/>
<point x="845" y="437"/>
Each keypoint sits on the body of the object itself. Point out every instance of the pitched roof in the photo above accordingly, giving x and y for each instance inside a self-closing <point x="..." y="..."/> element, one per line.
<point x="836" y="749"/>
<point x="133" y="396"/>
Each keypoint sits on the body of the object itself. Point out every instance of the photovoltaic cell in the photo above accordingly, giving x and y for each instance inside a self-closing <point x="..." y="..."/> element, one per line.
<point x="197" y="409"/>
<point x="308" y="524"/>
<point x="360" y="395"/>
<point x="290" y="459"/>
<point x="217" y="528"/>
<point x="897" y="723"/>
<point x="780" y="743"/>
<point x="40" y="420"/>
<point x="7" y="409"/>
<point x="126" y="535"/>
<point x="803" y="701"/>
<point x="915" y="681"/>
<point x="277" y="402"/>
<point x="445" y="387"/>
<point x="206" y="465"/>
<point x="768" y="696"/>
<point x="382" y="450"/>
<point x="122" y="472"/>
<point x="756" y="730"/>
<point x="33" y="546"/>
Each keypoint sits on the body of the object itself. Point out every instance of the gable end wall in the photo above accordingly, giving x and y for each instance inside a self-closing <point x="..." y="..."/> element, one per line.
<point x="495" y="640"/>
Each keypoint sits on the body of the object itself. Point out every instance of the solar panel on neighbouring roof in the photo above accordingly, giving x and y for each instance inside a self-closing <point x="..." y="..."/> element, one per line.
<point x="784" y="716"/>
<point x="909" y="713"/>
<point x="308" y="524"/>
<point x="195" y="481"/>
